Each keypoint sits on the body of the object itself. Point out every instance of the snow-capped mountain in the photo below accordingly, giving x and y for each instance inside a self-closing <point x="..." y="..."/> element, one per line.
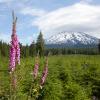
<point x="71" y="39"/>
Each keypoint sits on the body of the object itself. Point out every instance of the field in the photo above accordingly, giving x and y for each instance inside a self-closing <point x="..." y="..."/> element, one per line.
<point x="70" y="77"/>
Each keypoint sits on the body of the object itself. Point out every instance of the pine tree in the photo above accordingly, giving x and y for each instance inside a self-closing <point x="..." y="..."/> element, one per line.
<point x="40" y="44"/>
<point x="0" y="55"/>
<point x="32" y="49"/>
<point x="26" y="51"/>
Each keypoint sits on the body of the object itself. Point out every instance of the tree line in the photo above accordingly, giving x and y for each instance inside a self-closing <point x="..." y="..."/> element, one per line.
<point x="39" y="47"/>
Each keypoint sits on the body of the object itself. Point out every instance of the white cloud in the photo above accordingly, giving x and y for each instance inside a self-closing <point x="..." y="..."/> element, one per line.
<point x="6" y="1"/>
<point x="77" y="17"/>
<point x="9" y="1"/>
<point x="32" y="11"/>
<point x="86" y="1"/>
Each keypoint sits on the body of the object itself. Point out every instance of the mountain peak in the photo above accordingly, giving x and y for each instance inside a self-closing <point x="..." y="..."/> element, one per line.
<point x="72" y="38"/>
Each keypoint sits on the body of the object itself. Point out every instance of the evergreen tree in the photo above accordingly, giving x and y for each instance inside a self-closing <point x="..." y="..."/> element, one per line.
<point x="4" y="48"/>
<point x="32" y="49"/>
<point x="40" y="44"/>
<point x="0" y="54"/>
<point x="21" y="49"/>
<point x="26" y="51"/>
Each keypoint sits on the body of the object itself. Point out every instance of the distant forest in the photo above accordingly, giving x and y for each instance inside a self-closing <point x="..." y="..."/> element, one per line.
<point x="32" y="49"/>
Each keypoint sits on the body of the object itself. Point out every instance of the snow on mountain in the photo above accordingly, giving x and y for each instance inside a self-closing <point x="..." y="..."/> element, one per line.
<point x="72" y="38"/>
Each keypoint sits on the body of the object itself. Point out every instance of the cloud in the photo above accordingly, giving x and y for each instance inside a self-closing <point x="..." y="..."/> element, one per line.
<point x="6" y="1"/>
<point x="86" y="1"/>
<point x="77" y="17"/>
<point x="9" y="1"/>
<point x="32" y="11"/>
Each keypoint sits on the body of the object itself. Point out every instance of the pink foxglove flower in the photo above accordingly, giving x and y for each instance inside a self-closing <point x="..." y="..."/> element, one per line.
<point x="14" y="48"/>
<point x="45" y="72"/>
<point x="36" y="67"/>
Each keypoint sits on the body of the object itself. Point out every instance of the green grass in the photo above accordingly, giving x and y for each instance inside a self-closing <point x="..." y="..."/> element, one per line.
<point x="70" y="77"/>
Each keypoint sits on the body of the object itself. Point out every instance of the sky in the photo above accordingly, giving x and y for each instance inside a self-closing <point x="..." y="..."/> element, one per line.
<point x="50" y="17"/>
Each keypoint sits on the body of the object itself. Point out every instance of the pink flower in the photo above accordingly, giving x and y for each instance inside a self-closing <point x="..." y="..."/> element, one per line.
<point x="14" y="49"/>
<point x="45" y="72"/>
<point x="12" y="58"/>
<point x="44" y="75"/>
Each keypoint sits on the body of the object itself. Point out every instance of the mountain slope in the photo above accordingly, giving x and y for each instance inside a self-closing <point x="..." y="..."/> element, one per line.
<point x="71" y="39"/>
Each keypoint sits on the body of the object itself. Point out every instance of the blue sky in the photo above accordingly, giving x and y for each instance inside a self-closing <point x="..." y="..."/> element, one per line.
<point x="49" y="16"/>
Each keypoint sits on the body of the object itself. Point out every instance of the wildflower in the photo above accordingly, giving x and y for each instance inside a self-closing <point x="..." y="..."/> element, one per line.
<point x="45" y="72"/>
<point x="14" y="48"/>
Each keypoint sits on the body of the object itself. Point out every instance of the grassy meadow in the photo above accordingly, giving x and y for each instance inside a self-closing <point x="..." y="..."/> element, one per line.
<point x="70" y="77"/>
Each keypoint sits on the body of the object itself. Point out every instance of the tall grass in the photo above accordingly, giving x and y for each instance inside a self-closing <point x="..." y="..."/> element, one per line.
<point x="70" y="77"/>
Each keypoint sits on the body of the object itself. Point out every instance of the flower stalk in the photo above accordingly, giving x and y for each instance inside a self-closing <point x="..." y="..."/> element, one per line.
<point x="45" y="72"/>
<point x="36" y="67"/>
<point x="14" y="47"/>
<point x="14" y="59"/>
